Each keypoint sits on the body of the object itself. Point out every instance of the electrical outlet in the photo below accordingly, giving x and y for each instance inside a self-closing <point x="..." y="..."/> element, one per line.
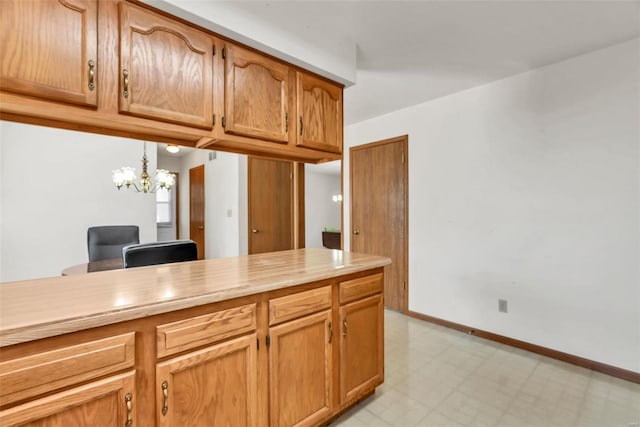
<point x="502" y="306"/>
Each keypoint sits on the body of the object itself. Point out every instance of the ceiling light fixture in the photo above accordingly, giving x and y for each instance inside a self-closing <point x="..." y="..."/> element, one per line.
<point x="173" y="149"/>
<point x="127" y="175"/>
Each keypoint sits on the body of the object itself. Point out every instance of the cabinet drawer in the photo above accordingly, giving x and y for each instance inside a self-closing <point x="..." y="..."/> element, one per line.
<point x="359" y="288"/>
<point x="34" y="375"/>
<point x="206" y="329"/>
<point x="300" y="304"/>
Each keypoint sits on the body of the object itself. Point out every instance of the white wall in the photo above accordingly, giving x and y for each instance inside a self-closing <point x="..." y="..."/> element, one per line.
<point x="528" y="189"/>
<point x="320" y="210"/>
<point x="57" y="183"/>
<point x="224" y="211"/>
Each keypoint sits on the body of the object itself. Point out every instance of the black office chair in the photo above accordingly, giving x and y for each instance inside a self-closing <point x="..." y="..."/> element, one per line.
<point x="107" y="241"/>
<point x="159" y="253"/>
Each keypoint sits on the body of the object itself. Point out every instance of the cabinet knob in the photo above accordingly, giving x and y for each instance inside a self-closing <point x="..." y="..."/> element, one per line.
<point x="356" y="231"/>
<point x="127" y="400"/>
<point x="125" y="78"/>
<point x="92" y="74"/>
<point x="255" y="230"/>
<point x="165" y="397"/>
<point x="201" y="227"/>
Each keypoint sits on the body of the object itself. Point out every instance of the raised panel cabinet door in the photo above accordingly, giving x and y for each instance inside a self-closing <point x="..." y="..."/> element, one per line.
<point x="48" y="49"/>
<point x="256" y="95"/>
<point x="215" y="386"/>
<point x="300" y="371"/>
<point x="109" y="402"/>
<point x="319" y="114"/>
<point x="166" y="69"/>
<point x="361" y="347"/>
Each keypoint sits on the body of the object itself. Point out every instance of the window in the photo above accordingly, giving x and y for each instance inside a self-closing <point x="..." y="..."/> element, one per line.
<point x="164" y="211"/>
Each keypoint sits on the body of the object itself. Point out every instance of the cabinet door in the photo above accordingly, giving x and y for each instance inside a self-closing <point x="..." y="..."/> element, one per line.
<point x="319" y="114"/>
<point x="361" y="347"/>
<point x="166" y="69"/>
<point x="215" y="386"/>
<point x="49" y="49"/>
<point x="109" y="402"/>
<point x="300" y="371"/>
<point x="256" y="95"/>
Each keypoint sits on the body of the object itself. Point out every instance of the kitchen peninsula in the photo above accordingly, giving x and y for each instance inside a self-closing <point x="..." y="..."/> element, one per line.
<point x="283" y="338"/>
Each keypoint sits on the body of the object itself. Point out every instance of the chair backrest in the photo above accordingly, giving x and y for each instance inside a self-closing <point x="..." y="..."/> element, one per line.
<point x="159" y="253"/>
<point x="107" y="241"/>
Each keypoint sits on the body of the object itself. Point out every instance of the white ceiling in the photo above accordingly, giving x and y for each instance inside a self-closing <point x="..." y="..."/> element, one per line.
<point x="412" y="52"/>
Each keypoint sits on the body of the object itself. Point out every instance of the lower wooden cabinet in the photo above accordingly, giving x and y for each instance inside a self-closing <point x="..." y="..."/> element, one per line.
<point x="269" y="359"/>
<point x="361" y="347"/>
<point x="215" y="386"/>
<point x="109" y="402"/>
<point x="300" y="371"/>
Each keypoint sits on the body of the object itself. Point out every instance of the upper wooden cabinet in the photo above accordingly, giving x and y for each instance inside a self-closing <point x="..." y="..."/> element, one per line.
<point x="49" y="49"/>
<point x="166" y="69"/>
<point x="256" y="98"/>
<point x="159" y="78"/>
<point x="319" y="107"/>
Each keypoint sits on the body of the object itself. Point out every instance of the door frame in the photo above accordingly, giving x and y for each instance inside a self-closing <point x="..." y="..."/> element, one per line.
<point x="204" y="240"/>
<point x="404" y="140"/>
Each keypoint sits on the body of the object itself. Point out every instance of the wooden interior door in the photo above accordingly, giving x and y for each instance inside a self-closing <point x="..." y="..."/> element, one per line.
<point x="361" y="336"/>
<point x="196" y="208"/>
<point x="256" y="95"/>
<point x="215" y="386"/>
<point x="270" y="205"/>
<point x="319" y="113"/>
<point x="300" y="358"/>
<point x="378" y="177"/>
<point x="49" y="49"/>
<point x="166" y="68"/>
<point x="104" y="402"/>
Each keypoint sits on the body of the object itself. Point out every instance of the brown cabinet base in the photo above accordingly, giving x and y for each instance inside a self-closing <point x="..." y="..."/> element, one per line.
<point x="280" y="357"/>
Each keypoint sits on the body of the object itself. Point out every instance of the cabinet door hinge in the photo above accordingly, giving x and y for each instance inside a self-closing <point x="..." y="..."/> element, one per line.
<point x="214" y="120"/>
<point x="214" y="50"/>
<point x="224" y="121"/>
<point x="224" y="53"/>
<point x="268" y="341"/>
<point x="286" y="122"/>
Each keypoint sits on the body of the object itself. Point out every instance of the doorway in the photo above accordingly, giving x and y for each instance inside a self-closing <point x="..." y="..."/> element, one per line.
<point x="196" y="208"/>
<point x="379" y="210"/>
<point x="275" y="213"/>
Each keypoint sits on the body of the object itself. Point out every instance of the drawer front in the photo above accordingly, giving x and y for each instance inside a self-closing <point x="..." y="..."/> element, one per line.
<point x="352" y="290"/>
<point x="30" y="376"/>
<point x="206" y="329"/>
<point x="300" y="304"/>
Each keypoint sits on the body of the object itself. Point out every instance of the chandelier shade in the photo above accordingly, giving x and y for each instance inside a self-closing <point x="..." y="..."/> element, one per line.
<point x="126" y="177"/>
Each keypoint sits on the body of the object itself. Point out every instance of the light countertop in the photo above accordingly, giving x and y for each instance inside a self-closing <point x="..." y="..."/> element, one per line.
<point x="35" y="309"/>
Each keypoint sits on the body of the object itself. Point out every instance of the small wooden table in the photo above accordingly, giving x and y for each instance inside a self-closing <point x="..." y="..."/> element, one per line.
<point x="91" y="267"/>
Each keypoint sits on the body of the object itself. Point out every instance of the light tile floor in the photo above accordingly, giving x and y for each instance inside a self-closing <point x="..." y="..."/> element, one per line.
<point x="435" y="376"/>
